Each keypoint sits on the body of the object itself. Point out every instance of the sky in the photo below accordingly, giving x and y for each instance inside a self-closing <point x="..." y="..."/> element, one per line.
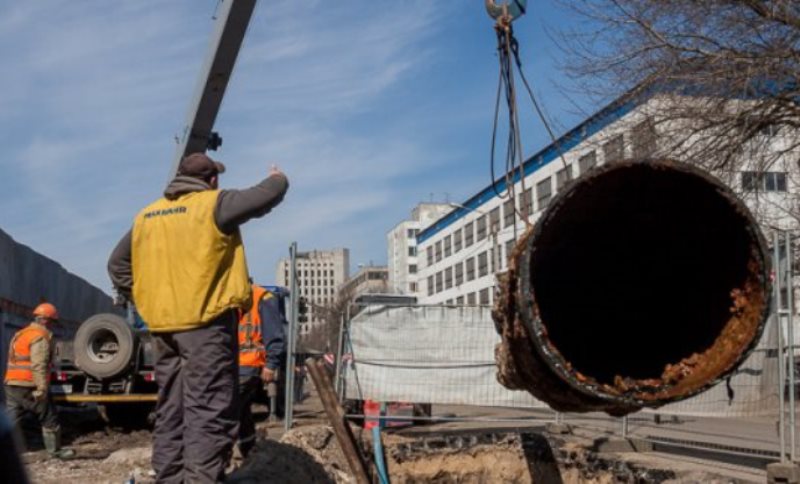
<point x="368" y="107"/>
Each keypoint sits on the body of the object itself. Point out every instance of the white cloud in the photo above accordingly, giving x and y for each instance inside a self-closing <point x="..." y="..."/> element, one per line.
<point x="99" y="89"/>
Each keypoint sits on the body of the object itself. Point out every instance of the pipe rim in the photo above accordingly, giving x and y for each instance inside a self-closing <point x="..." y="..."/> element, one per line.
<point x="537" y="330"/>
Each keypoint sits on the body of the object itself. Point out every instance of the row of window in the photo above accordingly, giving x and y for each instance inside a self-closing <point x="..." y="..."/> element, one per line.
<point x="768" y="181"/>
<point x="305" y="281"/>
<point x="468" y="270"/>
<point x="482" y="297"/>
<point x="644" y="143"/>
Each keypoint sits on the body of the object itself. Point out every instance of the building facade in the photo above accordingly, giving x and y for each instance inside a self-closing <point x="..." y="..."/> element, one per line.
<point x="402" y="247"/>
<point x="368" y="280"/>
<point x="320" y="273"/>
<point x="459" y="254"/>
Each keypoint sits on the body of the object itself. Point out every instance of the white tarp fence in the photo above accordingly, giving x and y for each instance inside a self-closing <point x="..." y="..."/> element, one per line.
<point x="445" y="355"/>
<point x="430" y="354"/>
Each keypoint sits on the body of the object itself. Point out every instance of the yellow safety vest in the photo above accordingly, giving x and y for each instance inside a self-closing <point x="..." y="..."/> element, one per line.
<point x="186" y="272"/>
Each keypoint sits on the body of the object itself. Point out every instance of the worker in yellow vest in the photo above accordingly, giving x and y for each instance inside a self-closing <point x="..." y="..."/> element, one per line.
<point x="261" y="355"/>
<point x="183" y="266"/>
<point x="27" y="378"/>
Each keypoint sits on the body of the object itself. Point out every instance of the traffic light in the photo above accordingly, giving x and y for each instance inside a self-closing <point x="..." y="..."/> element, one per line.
<point x="302" y="309"/>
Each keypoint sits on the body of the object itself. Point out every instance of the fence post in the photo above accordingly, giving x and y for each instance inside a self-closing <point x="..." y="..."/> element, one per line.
<point x="339" y="382"/>
<point x="787" y="246"/>
<point x="292" y="340"/>
<point x="776" y="270"/>
<point x="625" y="427"/>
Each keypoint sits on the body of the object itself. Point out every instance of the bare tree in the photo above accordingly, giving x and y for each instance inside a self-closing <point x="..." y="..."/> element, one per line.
<point x="325" y="335"/>
<point x="726" y="74"/>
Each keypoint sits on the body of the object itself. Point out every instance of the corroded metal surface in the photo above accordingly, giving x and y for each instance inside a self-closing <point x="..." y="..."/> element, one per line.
<point x="673" y="299"/>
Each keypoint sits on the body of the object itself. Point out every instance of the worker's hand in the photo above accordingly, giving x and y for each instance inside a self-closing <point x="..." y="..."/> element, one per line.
<point x="267" y="375"/>
<point x="275" y="171"/>
<point x="39" y="395"/>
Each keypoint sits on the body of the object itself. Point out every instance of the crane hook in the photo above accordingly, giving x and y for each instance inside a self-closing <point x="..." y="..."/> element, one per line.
<point x="511" y="9"/>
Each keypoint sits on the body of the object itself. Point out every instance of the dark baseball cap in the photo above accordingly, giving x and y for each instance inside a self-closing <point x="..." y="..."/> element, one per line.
<point x="199" y="165"/>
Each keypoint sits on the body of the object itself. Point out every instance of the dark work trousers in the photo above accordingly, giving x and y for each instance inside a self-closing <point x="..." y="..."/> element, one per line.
<point x="248" y="387"/>
<point x="197" y="410"/>
<point x="20" y="401"/>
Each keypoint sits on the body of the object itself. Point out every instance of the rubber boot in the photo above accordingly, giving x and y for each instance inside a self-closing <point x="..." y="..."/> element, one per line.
<point x="52" y="442"/>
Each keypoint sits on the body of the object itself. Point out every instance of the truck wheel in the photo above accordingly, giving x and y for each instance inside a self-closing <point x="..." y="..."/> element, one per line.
<point x="104" y="346"/>
<point x="128" y="415"/>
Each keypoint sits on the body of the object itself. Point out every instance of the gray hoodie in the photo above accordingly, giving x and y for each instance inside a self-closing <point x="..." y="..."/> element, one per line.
<point x="234" y="207"/>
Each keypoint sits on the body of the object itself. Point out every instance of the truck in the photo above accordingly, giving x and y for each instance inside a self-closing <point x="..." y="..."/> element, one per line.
<point x="111" y="363"/>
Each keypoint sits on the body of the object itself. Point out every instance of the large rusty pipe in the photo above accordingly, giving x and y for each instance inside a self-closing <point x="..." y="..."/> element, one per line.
<point x="643" y="283"/>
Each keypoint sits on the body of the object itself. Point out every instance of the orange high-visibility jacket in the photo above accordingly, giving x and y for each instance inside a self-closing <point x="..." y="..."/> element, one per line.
<point x="251" y="342"/>
<point x="19" y="356"/>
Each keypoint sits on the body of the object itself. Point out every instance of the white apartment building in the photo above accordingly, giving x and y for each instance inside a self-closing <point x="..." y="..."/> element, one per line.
<point x="402" y="246"/>
<point x="460" y="253"/>
<point x="319" y="275"/>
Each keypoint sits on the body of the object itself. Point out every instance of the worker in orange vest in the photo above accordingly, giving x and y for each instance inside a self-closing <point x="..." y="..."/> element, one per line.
<point x="27" y="379"/>
<point x="261" y="355"/>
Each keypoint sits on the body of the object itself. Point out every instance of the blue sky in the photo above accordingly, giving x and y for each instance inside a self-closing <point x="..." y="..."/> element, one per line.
<point x="369" y="107"/>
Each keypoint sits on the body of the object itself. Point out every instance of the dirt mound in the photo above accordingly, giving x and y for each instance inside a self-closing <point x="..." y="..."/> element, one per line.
<point x="278" y="462"/>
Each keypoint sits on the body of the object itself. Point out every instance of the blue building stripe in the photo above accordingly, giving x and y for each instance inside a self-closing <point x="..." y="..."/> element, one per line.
<point x="553" y="151"/>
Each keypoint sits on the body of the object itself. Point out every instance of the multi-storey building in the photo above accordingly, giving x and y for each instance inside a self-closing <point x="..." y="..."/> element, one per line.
<point x="402" y="246"/>
<point x="368" y="280"/>
<point x="319" y="275"/>
<point x="460" y="253"/>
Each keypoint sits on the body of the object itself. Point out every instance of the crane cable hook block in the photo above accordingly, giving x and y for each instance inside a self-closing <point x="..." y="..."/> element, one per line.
<point x="508" y="10"/>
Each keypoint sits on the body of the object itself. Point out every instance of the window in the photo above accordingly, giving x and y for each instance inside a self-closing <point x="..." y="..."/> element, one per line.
<point x="643" y="137"/>
<point x="439" y="282"/>
<point x="468" y="235"/>
<point x="525" y="201"/>
<point x="411" y="233"/>
<point x="543" y="193"/>
<point x="470" y="268"/>
<point x="438" y="250"/>
<point x="508" y="213"/>
<point x="563" y="176"/>
<point x="429" y="252"/>
<point x="456" y="241"/>
<point x="587" y="162"/>
<point x="770" y="181"/>
<point x="430" y="285"/>
<point x="412" y="251"/>
<point x="448" y="246"/>
<point x="493" y="264"/>
<point x="459" y="270"/>
<point x="775" y="181"/>
<point x="412" y="269"/>
<point x="448" y="278"/>
<point x="480" y="228"/>
<point x="412" y="287"/>
<point x="614" y="149"/>
<point x="494" y="219"/>
<point x="460" y="301"/>
<point x="484" y="296"/>
<point x="471" y="299"/>
<point x="483" y="263"/>
<point x="509" y="248"/>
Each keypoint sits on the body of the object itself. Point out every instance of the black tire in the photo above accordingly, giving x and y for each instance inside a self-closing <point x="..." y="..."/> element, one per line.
<point x="104" y="346"/>
<point x="128" y="416"/>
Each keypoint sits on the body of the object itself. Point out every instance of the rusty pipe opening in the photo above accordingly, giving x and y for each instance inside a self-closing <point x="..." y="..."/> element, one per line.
<point x="642" y="283"/>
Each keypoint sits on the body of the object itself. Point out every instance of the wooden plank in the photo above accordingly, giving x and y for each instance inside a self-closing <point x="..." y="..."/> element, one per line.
<point x="341" y="428"/>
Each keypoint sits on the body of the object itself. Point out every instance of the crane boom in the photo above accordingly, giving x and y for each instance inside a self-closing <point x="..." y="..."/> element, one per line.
<point x="232" y="19"/>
